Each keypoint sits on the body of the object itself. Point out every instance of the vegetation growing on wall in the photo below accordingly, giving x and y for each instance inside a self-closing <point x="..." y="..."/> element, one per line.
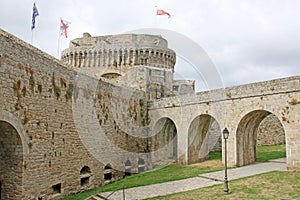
<point x="16" y="88"/>
<point x="294" y="102"/>
<point x="228" y="94"/>
<point x="69" y="91"/>
<point x="31" y="81"/>
<point x="56" y="88"/>
<point x="57" y="91"/>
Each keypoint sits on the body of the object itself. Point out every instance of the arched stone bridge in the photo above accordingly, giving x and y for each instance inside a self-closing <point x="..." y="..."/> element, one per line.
<point x="241" y="109"/>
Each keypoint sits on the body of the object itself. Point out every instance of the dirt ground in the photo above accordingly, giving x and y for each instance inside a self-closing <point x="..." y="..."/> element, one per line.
<point x="209" y="163"/>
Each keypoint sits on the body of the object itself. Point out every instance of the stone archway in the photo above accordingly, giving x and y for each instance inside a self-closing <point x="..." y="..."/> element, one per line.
<point x="164" y="142"/>
<point x="246" y="136"/>
<point x="11" y="162"/>
<point x="204" y="134"/>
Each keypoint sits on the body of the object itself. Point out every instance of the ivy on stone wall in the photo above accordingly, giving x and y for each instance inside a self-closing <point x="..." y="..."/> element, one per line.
<point x="57" y="91"/>
<point x="69" y="91"/>
<point x="56" y="88"/>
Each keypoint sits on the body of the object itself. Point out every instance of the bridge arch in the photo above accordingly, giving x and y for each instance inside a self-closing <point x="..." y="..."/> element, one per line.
<point x="12" y="155"/>
<point x="204" y="134"/>
<point x="164" y="144"/>
<point x="246" y="136"/>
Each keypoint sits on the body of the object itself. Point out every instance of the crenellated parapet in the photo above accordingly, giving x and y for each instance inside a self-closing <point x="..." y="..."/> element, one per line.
<point x="113" y="55"/>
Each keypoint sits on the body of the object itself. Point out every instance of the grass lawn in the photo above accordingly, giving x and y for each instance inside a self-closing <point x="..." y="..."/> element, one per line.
<point x="163" y="174"/>
<point x="266" y="153"/>
<point x="271" y="185"/>
<point x="177" y="172"/>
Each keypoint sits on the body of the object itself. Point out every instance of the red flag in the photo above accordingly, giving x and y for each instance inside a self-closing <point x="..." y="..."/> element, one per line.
<point x="64" y="25"/>
<point x="162" y="12"/>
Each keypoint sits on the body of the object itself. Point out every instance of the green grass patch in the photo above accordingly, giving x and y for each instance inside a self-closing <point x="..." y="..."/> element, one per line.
<point x="271" y="185"/>
<point x="266" y="153"/>
<point x="178" y="172"/>
<point x="163" y="174"/>
<point x="215" y="155"/>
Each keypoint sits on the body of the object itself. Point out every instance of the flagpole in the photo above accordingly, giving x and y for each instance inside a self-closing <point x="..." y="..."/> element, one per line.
<point x="58" y="41"/>
<point x="31" y="36"/>
<point x="155" y="17"/>
<point x="58" y="47"/>
<point x="35" y="13"/>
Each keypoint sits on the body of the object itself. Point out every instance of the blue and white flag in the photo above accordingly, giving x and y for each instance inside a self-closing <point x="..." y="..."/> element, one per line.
<point x="34" y="15"/>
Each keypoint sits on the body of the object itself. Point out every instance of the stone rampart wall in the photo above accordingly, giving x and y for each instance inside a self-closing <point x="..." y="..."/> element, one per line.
<point x="51" y="101"/>
<point x="37" y="89"/>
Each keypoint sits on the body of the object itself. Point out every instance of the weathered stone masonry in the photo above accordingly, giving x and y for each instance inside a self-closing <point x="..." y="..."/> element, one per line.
<point x="112" y="108"/>
<point x="241" y="109"/>
<point x="36" y="89"/>
<point x="42" y="103"/>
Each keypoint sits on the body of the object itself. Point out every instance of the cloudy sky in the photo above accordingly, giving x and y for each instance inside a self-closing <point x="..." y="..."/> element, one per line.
<point x="247" y="40"/>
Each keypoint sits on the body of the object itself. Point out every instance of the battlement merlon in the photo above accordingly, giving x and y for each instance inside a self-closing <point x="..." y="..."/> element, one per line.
<point x="119" y="51"/>
<point x="120" y="41"/>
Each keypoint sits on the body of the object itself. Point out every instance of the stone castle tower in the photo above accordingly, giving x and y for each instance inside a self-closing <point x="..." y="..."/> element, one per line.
<point x="139" y="61"/>
<point x="140" y="68"/>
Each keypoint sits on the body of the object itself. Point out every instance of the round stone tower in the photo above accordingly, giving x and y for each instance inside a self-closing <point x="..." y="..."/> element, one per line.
<point x="113" y="55"/>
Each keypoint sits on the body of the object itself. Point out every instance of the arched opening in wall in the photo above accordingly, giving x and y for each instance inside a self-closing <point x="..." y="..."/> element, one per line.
<point x="85" y="174"/>
<point x="128" y="168"/>
<point x="204" y="135"/>
<point x="257" y="128"/>
<point x="141" y="165"/>
<point x="164" y="143"/>
<point x="11" y="162"/>
<point x="108" y="172"/>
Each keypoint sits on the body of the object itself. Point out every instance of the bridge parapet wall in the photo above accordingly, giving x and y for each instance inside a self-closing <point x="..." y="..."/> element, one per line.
<point x="276" y="86"/>
<point x="260" y="89"/>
